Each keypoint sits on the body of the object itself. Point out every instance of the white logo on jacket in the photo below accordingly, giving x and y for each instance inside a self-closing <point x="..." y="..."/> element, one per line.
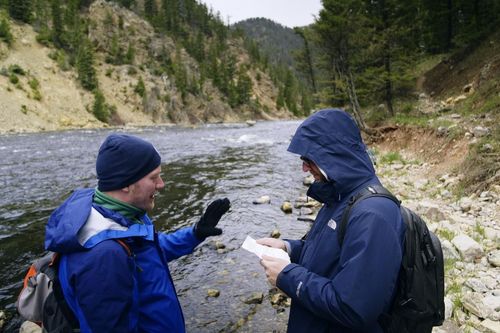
<point x="332" y="224"/>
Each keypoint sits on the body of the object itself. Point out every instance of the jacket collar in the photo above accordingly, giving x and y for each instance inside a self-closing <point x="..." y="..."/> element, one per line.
<point x="324" y="192"/>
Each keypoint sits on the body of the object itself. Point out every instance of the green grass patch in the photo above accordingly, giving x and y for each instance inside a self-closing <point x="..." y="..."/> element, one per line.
<point x="457" y="301"/>
<point x="449" y="264"/>
<point x="479" y="232"/>
<point x="445" y="234"/>
<point x="408" y="119"/>
<point x="13" y="78"/>
<point x="428" y="63"/>
<point x="392" y="157"/>
<point x="453" y="288"/>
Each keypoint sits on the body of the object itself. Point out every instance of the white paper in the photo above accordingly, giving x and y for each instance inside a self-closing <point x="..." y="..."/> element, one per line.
<point x="251" y="245"/>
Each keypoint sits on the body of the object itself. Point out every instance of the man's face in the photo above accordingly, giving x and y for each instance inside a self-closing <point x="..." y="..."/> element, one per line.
<point x="142" y="192"/>
<point x="312" y="168"/>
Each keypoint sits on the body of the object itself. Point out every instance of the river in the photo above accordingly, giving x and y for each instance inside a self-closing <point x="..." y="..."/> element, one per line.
<point x="38" y="171"/>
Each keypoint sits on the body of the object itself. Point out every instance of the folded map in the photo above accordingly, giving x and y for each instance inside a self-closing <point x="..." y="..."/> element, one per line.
<point x="251" y="245"/>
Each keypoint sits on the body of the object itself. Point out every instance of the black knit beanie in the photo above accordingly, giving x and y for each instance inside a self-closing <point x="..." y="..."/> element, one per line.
<point x="124" y="159"/>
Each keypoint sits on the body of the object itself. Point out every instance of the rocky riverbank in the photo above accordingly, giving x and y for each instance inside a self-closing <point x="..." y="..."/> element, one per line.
<point x="469" y="232"/>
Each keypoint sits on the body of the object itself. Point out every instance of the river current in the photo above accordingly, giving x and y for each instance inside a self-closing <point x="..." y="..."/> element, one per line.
<point x="38" y="171"/>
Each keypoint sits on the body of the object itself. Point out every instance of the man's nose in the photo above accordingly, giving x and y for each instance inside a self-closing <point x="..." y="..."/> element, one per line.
<point x="160" y="184"/>
<point x="305" y="167"/>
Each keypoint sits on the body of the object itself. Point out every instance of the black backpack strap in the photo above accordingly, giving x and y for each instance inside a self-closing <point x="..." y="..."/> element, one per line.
<point x="367" y="192"/>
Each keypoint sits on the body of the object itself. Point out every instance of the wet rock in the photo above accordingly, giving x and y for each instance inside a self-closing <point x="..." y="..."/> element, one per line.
<point x="494" y="258"/>
<point x="469" y="249"/>
<point x="312" y="203"/>
<point x="307" y="218"/>
<point x="265" y="199"/>
<point x="219" y="245"/>
<point x="275" y="233"/>
<point x="213" y="293"/>
<point x="255" y="298"/>
<point x="286" y="207"/>
<point x="301" y="199"/>
<point x="306" y="211"/>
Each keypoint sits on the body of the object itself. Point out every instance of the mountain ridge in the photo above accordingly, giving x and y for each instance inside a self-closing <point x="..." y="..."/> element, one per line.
<point x="139" y="93"/>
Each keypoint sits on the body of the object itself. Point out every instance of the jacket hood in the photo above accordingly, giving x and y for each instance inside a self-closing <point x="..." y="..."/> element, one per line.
<point x="79" y="224"/>
<point x="332" y="140"/>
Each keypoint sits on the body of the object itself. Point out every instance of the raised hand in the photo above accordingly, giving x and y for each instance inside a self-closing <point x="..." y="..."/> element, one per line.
<point x="206" y="225"/>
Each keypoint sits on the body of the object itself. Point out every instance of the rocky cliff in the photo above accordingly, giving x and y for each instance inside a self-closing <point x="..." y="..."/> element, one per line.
<point x="39" y="90"/>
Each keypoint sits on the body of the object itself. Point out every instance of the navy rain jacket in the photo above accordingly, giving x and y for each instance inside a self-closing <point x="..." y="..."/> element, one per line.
<point x="108" y="290"/>
<point x="344" y="289"/>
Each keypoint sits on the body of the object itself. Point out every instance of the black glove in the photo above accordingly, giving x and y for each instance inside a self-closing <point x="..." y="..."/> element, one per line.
<point x="206" y="225"/>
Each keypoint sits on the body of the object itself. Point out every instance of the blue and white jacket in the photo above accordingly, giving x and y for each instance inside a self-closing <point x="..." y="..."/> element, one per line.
<point x="107" y="289"/>
<point x="344" y="289"/>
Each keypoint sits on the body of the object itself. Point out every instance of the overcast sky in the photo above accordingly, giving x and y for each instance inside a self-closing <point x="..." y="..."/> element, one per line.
<point x="290" y="13"/>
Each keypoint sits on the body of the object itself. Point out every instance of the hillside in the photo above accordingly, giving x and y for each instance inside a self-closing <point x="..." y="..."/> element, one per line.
<point x="460" y="99"/>
<point x="39" y="90"/>
<point x="276" y="41"/>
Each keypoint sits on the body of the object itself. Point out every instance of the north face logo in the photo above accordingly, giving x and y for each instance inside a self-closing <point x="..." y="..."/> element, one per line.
<point x="332" y="224"/>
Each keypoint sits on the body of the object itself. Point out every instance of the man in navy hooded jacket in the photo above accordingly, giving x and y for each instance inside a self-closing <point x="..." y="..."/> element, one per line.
<point x="107" y="288"/>
<point x="333" y="288"/>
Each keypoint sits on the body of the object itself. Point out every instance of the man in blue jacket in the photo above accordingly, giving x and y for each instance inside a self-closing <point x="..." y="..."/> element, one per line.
<point x="112" y="287"/>
<point x="333" y="288"/>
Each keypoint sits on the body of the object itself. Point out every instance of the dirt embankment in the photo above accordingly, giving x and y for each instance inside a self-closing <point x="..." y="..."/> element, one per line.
<point x="426" y="145"/>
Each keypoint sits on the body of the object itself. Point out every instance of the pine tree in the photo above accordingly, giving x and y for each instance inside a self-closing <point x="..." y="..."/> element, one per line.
<point x="127" y="3"/>
<point x="100" y="109"/>
<point x="21" y="10"/>
<point x="243" y="87"/>
<point x="5" y="33"/>
<point x="150" y="9"/>
<point x="341" y="37"/>
<point x="280" y="100"/>
<point x="140" y="88"/>
<point x="304" y="59"/>
<point x="290" y="92"/>
<point x="57" y="23"/>
<point x="130" y="55"/>
<point x="85" y="66"/>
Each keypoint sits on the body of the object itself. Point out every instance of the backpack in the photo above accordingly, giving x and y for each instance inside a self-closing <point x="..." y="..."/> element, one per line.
<point x="41" y="299"/>
<point x="418" y="303"/>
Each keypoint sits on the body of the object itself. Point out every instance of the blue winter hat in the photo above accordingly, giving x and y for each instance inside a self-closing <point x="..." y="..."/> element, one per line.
<point x="124" y="159"/>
